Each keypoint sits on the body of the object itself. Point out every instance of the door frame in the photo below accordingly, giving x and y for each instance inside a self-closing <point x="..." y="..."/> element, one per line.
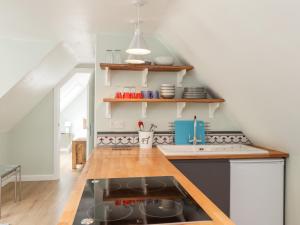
<point x="56" y="107"/>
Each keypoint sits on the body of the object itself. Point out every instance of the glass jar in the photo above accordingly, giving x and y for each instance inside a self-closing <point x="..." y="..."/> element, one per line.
<point x="109" y="56"/>
<point x="117" y="56"/>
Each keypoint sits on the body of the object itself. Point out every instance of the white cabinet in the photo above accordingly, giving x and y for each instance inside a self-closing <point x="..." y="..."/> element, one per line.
<point x="257" y="192"/>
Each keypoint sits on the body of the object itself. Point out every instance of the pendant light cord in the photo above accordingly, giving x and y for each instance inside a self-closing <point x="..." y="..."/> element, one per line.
<point x="138" y="15"/>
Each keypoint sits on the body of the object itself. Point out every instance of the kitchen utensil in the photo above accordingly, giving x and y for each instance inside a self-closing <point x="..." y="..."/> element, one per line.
<point x="155" y="94"/>
<point x="147" y="94"/>
<point x="167" y="85"/>
<point x="117" y="59"/>
<point x="118" y="94"/>
<point x="167" y="91"/>
<point x="141" y="125"/>
<point x="150" y="94"/>
<point x="109" y="56"/>
<point x="138" y="95"/>
<point x="126" y="92"/>
<point x="194" y="92"/>
<point x="164" y="60"/>
<point x="145" y="139"/>
<point x="152" y="127"/>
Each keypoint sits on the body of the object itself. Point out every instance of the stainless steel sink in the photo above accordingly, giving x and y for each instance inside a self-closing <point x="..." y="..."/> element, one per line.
<point x="172" y="150"/>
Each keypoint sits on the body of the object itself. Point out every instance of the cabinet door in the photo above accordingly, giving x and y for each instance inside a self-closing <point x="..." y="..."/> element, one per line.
<point x="212" y="177"/>
<point x="257" y="192"/>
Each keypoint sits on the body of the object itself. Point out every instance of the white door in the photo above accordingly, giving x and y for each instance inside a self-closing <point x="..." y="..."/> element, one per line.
<point x="257" y="192"/>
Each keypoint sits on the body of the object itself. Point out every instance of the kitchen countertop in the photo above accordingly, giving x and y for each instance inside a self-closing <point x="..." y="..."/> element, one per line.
<point x="108" y="163"/>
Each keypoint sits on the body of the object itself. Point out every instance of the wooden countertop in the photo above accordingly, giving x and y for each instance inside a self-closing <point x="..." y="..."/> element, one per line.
<point x="108" y="163"/>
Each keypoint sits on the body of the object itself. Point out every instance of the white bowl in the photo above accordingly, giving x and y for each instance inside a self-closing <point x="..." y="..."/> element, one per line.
<point x="167" y="91"/>
<point x="167" y="85"/>
<point x="164" y="60"/>
<point x="168" y="96"/>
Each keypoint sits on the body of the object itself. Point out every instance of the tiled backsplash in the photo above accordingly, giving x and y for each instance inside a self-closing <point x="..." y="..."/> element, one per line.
<point x="131" y="138"/>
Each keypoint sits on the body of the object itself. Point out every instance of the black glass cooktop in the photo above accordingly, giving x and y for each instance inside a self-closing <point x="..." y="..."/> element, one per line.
<point x="133" y="201"/>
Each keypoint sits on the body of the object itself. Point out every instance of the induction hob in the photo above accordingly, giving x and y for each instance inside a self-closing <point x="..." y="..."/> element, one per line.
<point x="134" y="201"/>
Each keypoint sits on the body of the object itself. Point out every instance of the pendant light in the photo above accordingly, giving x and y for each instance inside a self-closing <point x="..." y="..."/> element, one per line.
<point x="135" y="59"/>
<point x="138" y="45"/>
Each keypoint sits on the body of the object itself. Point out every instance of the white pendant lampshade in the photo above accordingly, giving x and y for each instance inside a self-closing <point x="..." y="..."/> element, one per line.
<point x="135" y="59"/>
<point x="138" y="44"/>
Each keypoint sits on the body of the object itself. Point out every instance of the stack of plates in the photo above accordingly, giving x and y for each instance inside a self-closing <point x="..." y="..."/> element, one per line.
<point x="194" y="92"/>
<point x="167" y="90"/>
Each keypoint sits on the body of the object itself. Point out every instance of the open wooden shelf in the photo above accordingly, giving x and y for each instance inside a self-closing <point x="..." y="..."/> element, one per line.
<point x="206" y="100"/>
<point x="141" y="67"/>
<point x="213" y="104"/>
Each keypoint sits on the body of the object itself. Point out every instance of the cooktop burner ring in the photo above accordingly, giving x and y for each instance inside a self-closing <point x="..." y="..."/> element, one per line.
<point x="87" y="221"/>
<point x="149" y="185"/>
<point x="114" y="186"/>
<point x="110" y="213"/>
<point x="165" y="208"/>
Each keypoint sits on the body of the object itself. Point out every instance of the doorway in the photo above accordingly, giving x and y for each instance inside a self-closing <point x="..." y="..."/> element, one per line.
<point x="73" y="122"/>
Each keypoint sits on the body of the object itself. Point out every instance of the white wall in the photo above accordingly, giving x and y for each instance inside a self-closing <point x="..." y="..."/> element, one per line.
<point x="75" y="113"/>
<point x="3" y="148"/>
<point x="160" y="114"/>
<point x="31" y="140"/>
<point x="19" y="57"/>
<point x="35" y="86"/>
<point x="248" y="51"/>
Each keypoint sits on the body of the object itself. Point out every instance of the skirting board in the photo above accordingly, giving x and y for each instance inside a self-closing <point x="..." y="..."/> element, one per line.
<point x="38" y="177"/>
<point x="31" y="178"/>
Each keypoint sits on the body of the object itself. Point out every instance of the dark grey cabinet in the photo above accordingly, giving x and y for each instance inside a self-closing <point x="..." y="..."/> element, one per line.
<point x="211" y="176"/>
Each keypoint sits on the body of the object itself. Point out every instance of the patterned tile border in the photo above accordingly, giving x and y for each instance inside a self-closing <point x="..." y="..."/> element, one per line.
<point x="131" y="138"/>
<point x="227" y="137"/>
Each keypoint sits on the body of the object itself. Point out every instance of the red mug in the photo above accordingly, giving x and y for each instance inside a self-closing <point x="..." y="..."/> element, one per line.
<point x="138" y="95"/>
<point x="126" y="95"/>
<point x="118" y="94"/>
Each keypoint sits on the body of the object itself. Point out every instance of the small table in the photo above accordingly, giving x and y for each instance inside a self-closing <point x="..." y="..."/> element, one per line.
<point x="78" y="152"/>
<point x="7" y="171"/>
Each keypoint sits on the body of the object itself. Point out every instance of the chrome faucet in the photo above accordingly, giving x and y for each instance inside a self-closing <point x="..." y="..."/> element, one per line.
<point x="195" y="141"/>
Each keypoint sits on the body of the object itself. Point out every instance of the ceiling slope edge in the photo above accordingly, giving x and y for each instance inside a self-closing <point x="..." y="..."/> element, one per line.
<point x="27" y="93"/>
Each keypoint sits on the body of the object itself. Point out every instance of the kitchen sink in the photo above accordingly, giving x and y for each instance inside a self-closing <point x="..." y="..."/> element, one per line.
<point x="172" y="150"/>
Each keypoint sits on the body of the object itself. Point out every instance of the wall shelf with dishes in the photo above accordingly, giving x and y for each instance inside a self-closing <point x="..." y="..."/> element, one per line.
<point x="213" y="103"/>
<point x="180" y="71"/>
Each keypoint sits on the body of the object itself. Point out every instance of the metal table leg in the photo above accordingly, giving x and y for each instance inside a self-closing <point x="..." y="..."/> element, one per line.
<point x="0" y="195"/>
<point x="20" y="184"/>
<point x="16" y="177"/>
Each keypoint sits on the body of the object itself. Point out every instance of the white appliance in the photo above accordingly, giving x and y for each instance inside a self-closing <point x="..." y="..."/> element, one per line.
<point x="257" y="192"/>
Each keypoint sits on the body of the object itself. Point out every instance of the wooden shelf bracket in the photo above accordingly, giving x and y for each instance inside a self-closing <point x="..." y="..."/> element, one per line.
<point x="212" y="109"/>
<point x="144" y="109"/>
<point x="107" y="77"/>
<point x="180" y="76"/>
<point x="180" y="107"/>
<point x="144" y="77"/>
<point x="108" y="110"/>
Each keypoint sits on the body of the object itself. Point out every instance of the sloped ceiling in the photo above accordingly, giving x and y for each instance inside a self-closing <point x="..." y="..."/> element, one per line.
<point x="74" y="22"/>
<point x="19" y="57"/>
<point x="31" y="89"/>
<point x="248" y="52"/>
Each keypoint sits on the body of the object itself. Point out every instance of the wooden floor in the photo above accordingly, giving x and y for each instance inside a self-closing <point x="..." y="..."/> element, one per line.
<point x="42" y="202"/>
